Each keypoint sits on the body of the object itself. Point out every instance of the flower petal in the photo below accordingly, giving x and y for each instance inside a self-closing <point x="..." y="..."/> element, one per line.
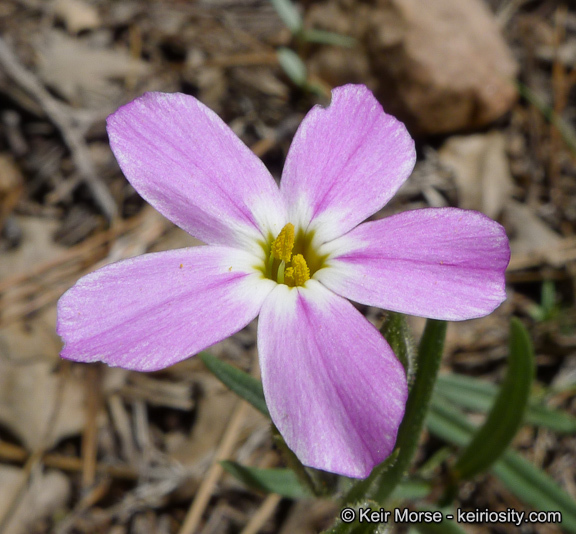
<point x="333" y="386"/>
<point x="149" y="312"/>
<point x="345" y="163"/>
<point x="185" y="161"/>
<point x="443" y="263"/>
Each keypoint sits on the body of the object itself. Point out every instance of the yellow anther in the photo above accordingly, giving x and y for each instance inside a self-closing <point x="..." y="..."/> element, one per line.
<point x="282" y="246"/>
<point x="301" y="270"/>
<point x="289" y="276"/>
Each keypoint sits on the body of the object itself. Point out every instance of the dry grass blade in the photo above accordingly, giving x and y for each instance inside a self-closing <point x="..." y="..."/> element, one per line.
<point x="13" y="453"/>
<point x="261" y="516"/>
<point x="225" y="448"/>
<point x="63" y="119"/>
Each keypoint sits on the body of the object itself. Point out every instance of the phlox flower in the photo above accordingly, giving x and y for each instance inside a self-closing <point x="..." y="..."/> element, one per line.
<point x="291" y="255"/>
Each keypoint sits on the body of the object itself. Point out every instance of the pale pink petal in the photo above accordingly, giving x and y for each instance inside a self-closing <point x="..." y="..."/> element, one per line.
<point x="345" y="163"/>
<point x="441" y="263"/>
<point x="149" y="312"/>
<point x="185" y="161"/>
<point x="333" y="386"/>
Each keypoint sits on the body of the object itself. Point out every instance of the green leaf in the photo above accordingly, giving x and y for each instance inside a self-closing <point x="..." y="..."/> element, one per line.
<point x="241" y="383"/>
<point x="504" y="419"/>
<point x="289" y="14"/>
<point x="411" y="490"/>
<point x="530" y="484"/>
<point x="535" y="487"/>
<point x="281" y="481"/>
<point x="548" y="308"/>
<point x="429" y="357"/>
<point x="449" y="423"/>
<point x="479" y="395"/>
<point x="329" y="38"/>
<point x="293" y="66"/>
<point x="399" y="337"/>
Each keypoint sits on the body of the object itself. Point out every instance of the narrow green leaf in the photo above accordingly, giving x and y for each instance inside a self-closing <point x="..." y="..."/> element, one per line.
<point x="535" y="487"/>
<point x="293" y="66"/>
<point x="505" y="417"/>
<point x="241" y="383"/>
<point x="399" y="337"/>
<point x="411" y="490"/>
<point x="281" y="481"/>
<point x="289" y="14"/>
<point x="429" y="356"/>
<point x="548" y="298"/>
<point x="329" y="38"/>
<point x="548" y="307"/>
<point x="528" y="483"/>
<point x="448" y="422"/>
<point x="467" y="392"/>
<point x="479" y="395"/>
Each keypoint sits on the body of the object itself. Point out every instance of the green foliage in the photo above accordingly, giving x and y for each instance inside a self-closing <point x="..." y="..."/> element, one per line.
<point x="241" y="383"/>
<point x="289" y="14"/>
<point x="411" y="490"/>
<point x="530" y="484"/>
<point x="479" y="395"/>
<point x="292" y="19"/>
<point x="548" y="308"/>
<point x="293" y="66"/>
<point x="396" y="331"/>
<point x="505" y="417"/>
<point x="281" y="481"/>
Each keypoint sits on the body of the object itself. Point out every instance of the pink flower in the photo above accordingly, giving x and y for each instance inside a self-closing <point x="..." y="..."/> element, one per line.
<point x="290" y="255"/>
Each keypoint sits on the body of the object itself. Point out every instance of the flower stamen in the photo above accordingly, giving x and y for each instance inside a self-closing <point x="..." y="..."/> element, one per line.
<point x="282" y="246"/>
<point x="301" y="272"/>
<point x="289" y="277"/>
<point x="286" y="263"/>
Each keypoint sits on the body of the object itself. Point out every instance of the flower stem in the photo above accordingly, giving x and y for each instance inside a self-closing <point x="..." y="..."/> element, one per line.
<point x="428" y="363"/>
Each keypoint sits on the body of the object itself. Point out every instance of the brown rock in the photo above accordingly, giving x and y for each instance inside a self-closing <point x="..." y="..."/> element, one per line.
<point x="440" y="66"/>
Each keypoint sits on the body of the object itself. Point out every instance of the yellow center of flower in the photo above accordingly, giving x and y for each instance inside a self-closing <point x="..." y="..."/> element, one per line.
<point x="292" y="259"/>
<point x="283" y="245"/>
<point x="298" y="273"/>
